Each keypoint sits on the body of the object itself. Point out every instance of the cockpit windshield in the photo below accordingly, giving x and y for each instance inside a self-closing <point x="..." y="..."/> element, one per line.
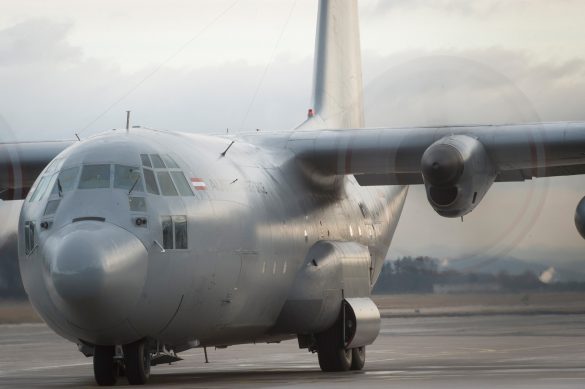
<point x="66" y="181"/>
<point x="128" y="177"/>
<point x="162" y="176"/>
<point x="94" y="177"/>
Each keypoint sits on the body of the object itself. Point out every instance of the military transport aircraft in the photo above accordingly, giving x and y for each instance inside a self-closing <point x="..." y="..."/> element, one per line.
<point x="139" y="244"/>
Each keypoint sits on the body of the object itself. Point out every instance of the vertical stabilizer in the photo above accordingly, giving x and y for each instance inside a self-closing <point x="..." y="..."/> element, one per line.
<point x="337" y="79"/>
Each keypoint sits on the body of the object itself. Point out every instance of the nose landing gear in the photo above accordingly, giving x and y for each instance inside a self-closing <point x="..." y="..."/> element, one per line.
<point x="105" y="368"/>
<point x="137" y="362"/>
<point x="135" y="365"/>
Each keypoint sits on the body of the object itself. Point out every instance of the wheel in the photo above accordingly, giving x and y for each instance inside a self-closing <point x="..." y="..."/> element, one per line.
<point x="332" y="354"/>
<point x="358" y="358"/>
<point x="105" y="369"/>
<point x="137" y="362"/>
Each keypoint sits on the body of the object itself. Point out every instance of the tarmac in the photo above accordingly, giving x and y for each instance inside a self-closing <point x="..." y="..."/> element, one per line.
<point x="497" y="351"/>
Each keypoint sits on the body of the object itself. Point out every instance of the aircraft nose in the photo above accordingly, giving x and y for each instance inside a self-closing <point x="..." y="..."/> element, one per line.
<point x="95" y="272"/>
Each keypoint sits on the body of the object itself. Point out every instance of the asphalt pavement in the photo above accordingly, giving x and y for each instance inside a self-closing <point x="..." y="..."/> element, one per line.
<point x="508" y="351"/>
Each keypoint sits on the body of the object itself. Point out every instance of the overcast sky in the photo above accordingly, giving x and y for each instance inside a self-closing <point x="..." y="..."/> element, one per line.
<point x="71" y="66"/>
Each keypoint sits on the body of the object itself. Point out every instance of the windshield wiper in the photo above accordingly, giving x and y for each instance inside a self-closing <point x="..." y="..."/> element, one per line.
<point x="59" y="187"/>
<point x="134" y="185"/>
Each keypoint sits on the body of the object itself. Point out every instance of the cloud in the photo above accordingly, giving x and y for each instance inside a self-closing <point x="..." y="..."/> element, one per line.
<point x="36" y="43"/>
<point x="447" y="5"/>
<point x="491" y="85"/>
<point x="476" y="8"/>
<point x="62" y="91"/>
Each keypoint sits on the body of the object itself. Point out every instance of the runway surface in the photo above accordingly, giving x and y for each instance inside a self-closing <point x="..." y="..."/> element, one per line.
<point x="545" y="351"/>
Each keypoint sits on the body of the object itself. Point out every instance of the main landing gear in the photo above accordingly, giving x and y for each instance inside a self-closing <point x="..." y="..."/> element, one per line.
<point x="332" y="353"/>
<point x="135" y="365"/>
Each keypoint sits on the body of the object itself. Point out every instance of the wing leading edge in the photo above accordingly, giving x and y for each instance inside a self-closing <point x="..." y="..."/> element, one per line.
<point x="393" y="156"/>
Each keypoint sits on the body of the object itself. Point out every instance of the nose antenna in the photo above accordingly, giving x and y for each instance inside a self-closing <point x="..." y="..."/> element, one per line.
<point x="127" y="121"/>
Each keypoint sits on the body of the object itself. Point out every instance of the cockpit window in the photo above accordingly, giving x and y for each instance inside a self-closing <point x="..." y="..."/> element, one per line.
<point x="166" y="184"/>
<point x="145" y="160"/>
<point x="170" y="162"/>
<point x="162" y="175"/>
<point x="128" y="177"/>
<point x="181" y="183"/>
<point x="151" y="186"/>
<point x="55" y="165"/>
<point x="157" y="162"/>
<point x="51" y="207"/>
<point x="94" y="177"/>
<point x="40" y="189"/>
<point x="65" y="181"/>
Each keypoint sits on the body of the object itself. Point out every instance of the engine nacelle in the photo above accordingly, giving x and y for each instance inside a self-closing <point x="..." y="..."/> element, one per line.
<point x="457" y="172"/>
<point x="580" y="217"/>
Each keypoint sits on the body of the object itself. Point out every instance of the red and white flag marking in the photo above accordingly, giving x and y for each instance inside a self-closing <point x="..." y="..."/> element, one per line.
<point x="198" y="184"/>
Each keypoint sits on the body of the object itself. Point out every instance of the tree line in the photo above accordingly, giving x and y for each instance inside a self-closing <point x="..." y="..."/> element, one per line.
<point x="423" y="274"/>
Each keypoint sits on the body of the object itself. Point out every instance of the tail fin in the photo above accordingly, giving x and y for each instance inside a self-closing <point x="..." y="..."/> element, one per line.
<point x="337" y="79"/>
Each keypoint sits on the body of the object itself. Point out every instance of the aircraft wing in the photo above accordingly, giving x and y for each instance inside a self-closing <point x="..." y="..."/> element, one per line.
<point x="21" y="163"/>
<point x="388" y="156"/>
<point x="457" y="164"/>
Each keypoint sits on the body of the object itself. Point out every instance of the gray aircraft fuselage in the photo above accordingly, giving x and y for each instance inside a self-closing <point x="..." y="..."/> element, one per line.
<point x="95" y="267"/>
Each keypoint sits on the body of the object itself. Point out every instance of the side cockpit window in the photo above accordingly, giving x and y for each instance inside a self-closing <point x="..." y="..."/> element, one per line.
<point x="169" y="161"/>
<point x="150" y="181"/>
<point x="167" y="187"/>
<point x="162" y="175"/>
<point x="51" y="207"/>
<point x="40" y="189"/>
<point x="181" y="183"/>
<point x="145" y="160"/>
<point x="65" y="181"/>
<point x="157" y="161"/>
<point x="95" y="177"/>
<point x="54" y="184"/>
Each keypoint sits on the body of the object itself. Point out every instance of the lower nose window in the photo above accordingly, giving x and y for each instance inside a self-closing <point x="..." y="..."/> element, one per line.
<point x="137" y="204"/>
<point x="167" y="231"/>
<point x="29" y="237"/>
<point x="180" y="224"/>
<point x="174" y="231"/>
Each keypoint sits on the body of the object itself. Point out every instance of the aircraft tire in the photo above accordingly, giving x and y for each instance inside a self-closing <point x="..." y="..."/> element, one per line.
<point x="358" y="358"/>
<point x="104" y="367"/>
<point x="137" y="362"/>
<point x="332" y="354"/>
